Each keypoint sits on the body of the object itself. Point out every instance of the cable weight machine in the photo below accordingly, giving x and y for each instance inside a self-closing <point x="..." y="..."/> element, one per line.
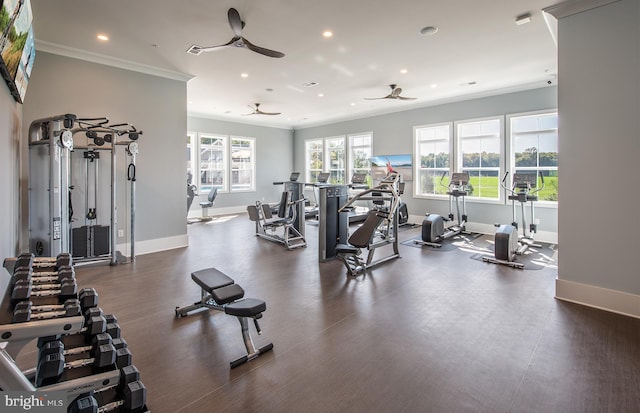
<point x="84" y="190"/>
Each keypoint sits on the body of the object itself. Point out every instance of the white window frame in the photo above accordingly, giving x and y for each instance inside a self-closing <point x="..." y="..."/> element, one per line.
<point x="224" y="169"/>
<point x="307" y="158"/>
<point x="341" y="169"/>
<point x="347" y="162"/>
<point x="252" y="169"/>
<point x="192" y="160"/>
<point x="458" y="155"/>
<point x="351" y="158"/>
<point x="511" y="165"/>
<point x="227" y="168"/>
<point x="417" y="159"/>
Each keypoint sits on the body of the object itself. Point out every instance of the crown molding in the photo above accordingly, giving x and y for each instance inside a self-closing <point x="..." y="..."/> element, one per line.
<point x="570" y="7"/>
<point x="66" y="51"/>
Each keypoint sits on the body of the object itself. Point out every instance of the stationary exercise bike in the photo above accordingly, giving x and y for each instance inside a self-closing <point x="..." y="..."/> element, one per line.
<point x="433" y="228"/>
<point x="507" y="243"/>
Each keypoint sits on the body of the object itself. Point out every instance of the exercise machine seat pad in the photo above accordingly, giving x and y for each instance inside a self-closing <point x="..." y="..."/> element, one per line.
<point x="346" y="249"/>
<point x="227" y="294"/>
<point x="247" y="307"/>
<point x="210" y="279"/>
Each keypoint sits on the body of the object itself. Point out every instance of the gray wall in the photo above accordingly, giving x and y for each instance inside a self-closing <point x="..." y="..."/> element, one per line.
<point x="10" y="125"/>
<point x="599" y="103"/>
<point x="274" y="160"/>
<point x="153" y="104"/>
<point x="393" y="134"/>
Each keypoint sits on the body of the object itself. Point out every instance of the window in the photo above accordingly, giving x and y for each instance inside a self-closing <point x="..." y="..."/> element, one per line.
<point x="213" y="166"/>
<point x="360" y="155"/>
<point x="242" y="164"/>
<point x="335" y="153"/>
<point x="227" y="163"/>
<point x="335" y="160"/>
<point x="314" y="165"/>
<point x="433" y="154"/>
<point x="191" y="159"/>
<point x="479" y="154"/>
<point x="534" y="148"/>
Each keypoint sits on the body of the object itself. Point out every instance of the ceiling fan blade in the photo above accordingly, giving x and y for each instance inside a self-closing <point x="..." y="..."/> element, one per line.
<point x="386" y="97"/>
<point x="210" y="48"/>
<point x="396" y="92"/>
<point x="262" y="50"/>
<point x="235" y="21"/>
<point x="404" y="98"/>
<point x="267" y="113"/>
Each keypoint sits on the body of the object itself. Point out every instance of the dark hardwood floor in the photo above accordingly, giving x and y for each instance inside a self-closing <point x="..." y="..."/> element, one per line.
<point x="433" y="331"/>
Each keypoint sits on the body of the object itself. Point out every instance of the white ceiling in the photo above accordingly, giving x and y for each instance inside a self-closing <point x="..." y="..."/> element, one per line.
<point x="477" y="41"/>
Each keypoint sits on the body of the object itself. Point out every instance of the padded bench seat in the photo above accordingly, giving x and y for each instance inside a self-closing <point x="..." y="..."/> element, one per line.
<point x="248" y="307"/>
<point x="227" y="294"/>
<point x="211" y="279"/>
<point x="346" y="249"/>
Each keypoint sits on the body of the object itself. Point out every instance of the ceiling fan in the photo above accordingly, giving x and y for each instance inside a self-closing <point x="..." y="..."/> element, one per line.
<point x="237" y="25"/>
<point x="257" y="111"/>
<point x="395" y="94"/>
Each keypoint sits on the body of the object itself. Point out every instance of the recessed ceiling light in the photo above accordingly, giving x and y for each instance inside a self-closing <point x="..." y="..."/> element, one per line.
<point x="433" y="86"/>
<point x="320" y="95"/>
<point x="428" y="30"/>
<point x="103" y="37"/>
<point x="327" y="33"/>
<point x="244" y="75"/>
<point x="404" y="71"/>
<point x="353" y="104"/>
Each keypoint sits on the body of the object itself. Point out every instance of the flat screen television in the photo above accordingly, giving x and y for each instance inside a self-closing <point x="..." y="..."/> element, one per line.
<point x="383" y="164"/>
<point x="17" y="46"/>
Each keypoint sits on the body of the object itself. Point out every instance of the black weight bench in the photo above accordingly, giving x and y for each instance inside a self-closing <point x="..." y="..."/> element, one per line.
<point x="220" y="292"/>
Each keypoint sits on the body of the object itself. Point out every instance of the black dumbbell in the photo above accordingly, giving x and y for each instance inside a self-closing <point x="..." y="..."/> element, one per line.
<point x="24" y="291"/>
<point x="94" y="324"/>
<point x="57" y="346"/>
<point x="134" y="398"/>
<point x="25" y="311"/>
<point x="88" y="298"/>
<point x="65" y="274"/>
<point x="58" y="261"/>
<point x="52" y="366"/>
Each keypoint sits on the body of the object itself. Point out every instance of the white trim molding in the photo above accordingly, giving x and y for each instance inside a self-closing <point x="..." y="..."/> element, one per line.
<point x="597" y="297"/>
<point x="570" y="7"/>
<point x="155" y="245"/>
<point x="66" y="51"/>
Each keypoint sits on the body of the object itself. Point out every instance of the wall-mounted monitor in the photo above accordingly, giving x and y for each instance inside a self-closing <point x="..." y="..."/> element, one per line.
<point x="17" y="47"/>
<point x="382" y="165"/>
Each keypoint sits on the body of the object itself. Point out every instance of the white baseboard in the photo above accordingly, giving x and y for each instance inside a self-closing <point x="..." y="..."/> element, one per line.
<point x="597" y="297"/>
<point x="154" y="245"/>
<point x="197" y="213"/>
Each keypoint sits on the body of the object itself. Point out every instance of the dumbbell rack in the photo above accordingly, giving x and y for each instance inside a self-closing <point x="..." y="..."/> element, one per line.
<point x="14" y="337"/>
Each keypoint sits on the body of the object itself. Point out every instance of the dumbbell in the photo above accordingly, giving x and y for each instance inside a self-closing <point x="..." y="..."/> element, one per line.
<point x="31" y="260"/>
<point x="66" y="273"/>
<point x="57" y="346"/>
<point x="25" y="311"/>
<point x="24" y="291"/>
<point x="52" y="366"/>
<point x="134" y="399"/>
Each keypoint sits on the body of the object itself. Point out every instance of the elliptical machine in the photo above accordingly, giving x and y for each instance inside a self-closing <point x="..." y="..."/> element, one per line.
<point x="507" y="243"/>
<point x="433" y="228"/>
